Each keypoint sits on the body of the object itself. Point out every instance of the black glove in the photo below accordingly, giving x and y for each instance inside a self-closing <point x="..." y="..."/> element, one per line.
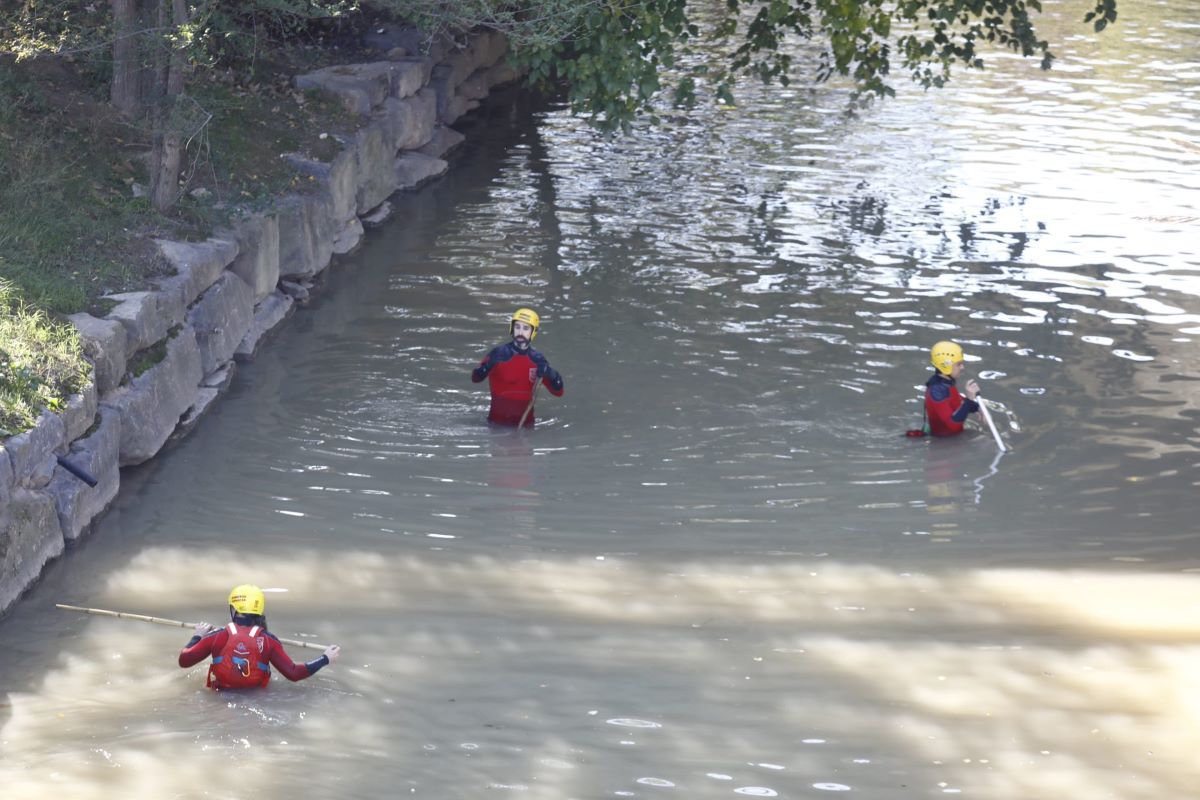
<point x="543" y="366"/>
<point x="544" y="370"/>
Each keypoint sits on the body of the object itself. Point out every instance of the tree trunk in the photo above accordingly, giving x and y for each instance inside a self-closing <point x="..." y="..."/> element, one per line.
<point x="126" y="95"/>
<point x="164" y="167"/>
<point x="177" y="77"/>
<point x="169" y="81"/>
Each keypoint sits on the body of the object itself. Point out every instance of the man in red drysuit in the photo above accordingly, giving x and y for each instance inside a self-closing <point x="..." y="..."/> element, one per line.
<point x="513" y="370"/>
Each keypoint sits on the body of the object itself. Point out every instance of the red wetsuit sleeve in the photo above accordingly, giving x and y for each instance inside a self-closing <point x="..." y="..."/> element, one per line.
<point x="289" y="669"/>
<point x="281" y="661"/>
<point x="198" y="650"/>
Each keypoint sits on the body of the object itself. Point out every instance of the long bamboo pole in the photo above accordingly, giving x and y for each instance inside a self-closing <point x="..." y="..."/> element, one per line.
<point x="174" y="623"/>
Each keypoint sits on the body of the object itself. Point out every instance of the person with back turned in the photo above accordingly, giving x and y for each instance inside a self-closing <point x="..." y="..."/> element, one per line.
<point x="243" y="652"/>
<point x="513" y="370"/>
<point x="945" y="409"/>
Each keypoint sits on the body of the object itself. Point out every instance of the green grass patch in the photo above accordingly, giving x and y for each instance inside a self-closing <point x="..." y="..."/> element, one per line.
<point x="70" y="223"/>
<point x="41" y="363"/>
<point x="73" y="226"/>
<point x="238" y="161"/>
<point x="147" y="357"/>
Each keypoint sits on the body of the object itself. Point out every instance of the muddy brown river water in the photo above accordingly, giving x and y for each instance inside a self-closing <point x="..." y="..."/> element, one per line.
<point x="717" y="567"/>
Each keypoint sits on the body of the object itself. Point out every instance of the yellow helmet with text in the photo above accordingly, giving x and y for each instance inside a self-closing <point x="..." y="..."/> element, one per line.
<point x="945" y="355"/>
<point x="248" y="599"/>
<point x="529" y="317"/>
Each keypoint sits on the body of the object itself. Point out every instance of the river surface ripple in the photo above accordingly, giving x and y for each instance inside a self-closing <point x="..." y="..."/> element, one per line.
<point x="717" y="567"/>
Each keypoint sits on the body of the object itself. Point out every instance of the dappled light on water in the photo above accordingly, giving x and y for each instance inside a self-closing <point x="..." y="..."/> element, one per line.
<point x="1001" y="683"/>
<point x="717" y="567"/>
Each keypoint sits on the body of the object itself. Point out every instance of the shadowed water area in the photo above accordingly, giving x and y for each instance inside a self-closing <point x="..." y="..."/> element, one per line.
<point x="717" y="567"/>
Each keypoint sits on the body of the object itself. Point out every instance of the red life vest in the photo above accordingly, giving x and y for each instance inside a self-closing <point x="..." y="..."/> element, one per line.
<point x="938" y="414"/>
<point x="512" y="383"/>
<point x="243" y="661"/>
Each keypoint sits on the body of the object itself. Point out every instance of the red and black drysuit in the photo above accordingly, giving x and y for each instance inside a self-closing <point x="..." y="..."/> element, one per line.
<point x="512" y="373"/>
<point x="945" y="409"/>
<point x="243" y="656"/>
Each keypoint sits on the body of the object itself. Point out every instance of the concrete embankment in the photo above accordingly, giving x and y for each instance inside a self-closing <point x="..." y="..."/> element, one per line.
<point x="225" y="295"/>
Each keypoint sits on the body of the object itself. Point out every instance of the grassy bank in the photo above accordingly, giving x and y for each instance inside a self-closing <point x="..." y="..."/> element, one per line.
<point x="41" y="363"/>
<point x="66" y="228"/>
<point x="74" y="222"/>
<point x="75" y="226"/>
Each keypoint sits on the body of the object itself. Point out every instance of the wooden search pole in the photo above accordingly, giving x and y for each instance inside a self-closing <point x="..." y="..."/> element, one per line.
<point x="174" y="623"/>
<point x="529" y="407"/>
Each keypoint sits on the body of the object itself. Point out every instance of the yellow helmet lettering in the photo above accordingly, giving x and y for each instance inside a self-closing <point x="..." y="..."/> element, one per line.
<point x="529" y="317"/>
<point x="944" y="355"/>
<point x="248" y="599"/>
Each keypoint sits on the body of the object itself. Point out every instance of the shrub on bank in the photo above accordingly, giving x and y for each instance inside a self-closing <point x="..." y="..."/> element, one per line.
<point x="41" y="362"/>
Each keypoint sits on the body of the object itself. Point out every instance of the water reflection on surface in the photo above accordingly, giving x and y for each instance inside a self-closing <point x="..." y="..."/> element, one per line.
<point x="718" y="567"/>
<point x="1014" y="683"/>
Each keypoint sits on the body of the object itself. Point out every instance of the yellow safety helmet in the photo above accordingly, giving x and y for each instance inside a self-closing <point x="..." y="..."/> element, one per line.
<point x="945" y="355"/>
<point x="529" y="317"/>
<point x="248" y="599"/>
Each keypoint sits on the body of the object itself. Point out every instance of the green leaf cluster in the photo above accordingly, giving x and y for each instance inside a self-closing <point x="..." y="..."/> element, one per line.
<point x="615" y="56"/>
<point x="41" y="362"/>
<point x="31" y="27"/>
<point x="615" y="62"/>
<point x="1104" y="13"/>
<point x="234" y="32"/>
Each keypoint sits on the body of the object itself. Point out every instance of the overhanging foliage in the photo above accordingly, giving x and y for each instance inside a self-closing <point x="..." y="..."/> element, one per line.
<point x="616" y="56"/>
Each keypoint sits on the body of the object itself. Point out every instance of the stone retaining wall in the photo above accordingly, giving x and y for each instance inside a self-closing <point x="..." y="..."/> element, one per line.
<point x="226" y="294"/>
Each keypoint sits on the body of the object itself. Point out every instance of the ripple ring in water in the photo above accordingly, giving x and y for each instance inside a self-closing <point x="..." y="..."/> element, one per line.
<point x="627" y="722"/>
